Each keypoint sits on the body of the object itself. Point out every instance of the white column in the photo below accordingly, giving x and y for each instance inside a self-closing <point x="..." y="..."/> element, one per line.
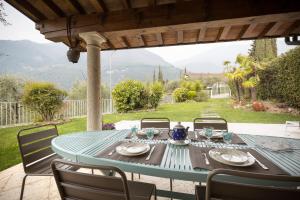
<point x="94" y="111"/>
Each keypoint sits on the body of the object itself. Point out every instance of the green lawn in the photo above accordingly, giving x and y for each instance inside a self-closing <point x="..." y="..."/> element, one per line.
<point x="9" y="153"/>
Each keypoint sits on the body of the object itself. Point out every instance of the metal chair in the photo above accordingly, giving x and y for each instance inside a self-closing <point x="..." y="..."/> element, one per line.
<point x="36" y="152"/>
<point x="78" y="185"/>
<point x="159" y="123"/>
<point x="215" y="122"/>
<point x="260" y="186"/>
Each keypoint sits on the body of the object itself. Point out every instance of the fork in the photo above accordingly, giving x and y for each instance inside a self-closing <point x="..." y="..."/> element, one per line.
<point x="151" y="151"/>
<point x="206" y="159"/>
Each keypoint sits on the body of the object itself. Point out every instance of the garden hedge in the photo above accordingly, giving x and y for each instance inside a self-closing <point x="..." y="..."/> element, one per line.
<point x="281" y="79"/>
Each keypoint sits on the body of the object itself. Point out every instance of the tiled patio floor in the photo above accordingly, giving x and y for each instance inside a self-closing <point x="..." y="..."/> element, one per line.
<point x="38" y="188"/>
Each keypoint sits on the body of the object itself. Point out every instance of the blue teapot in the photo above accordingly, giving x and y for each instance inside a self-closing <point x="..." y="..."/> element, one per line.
<point x="179" y="132"/>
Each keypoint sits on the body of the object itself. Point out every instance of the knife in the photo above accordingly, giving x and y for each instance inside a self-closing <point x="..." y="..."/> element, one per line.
<point x="151" y="151"/>
<point x="206" y="159"/>
<point x="260" y="164"/>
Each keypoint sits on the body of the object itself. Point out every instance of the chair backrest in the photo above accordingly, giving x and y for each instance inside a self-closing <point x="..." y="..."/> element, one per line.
<point x="260" y="186"/>
<point x="215" y="122"/>
<point x="160" y="123"/>
<point x="35" y="143"/>
<point x="77" y="185"/>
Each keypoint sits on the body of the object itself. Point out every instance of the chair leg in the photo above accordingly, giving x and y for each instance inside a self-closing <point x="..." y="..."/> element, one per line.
<point x="92" y="171"/>
<point x="139" y="176"/>
<point x="155" y="193"/>
<point x="132" y="176"/>
<point x="23" y="187"/>
<point x="171" y="188"/>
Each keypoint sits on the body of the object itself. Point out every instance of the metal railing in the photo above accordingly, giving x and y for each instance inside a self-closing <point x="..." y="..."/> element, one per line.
<point x="15" y="113"/>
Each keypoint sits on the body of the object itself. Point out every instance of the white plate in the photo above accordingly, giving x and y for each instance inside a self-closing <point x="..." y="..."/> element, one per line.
<point x="132" y="149"/>
<point x="143" y="132"/>
<point x="216" y="154"/>
<point x="179" y="142"/>
<point x="234" y="156"/>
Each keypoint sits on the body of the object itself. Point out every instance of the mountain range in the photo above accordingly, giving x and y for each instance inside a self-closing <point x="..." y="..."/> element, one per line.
<point x="48" y="62"/>
<point x="211" y="59"/>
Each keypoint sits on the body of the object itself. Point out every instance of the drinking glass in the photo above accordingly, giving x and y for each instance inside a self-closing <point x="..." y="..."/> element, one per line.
<point x="227" y="137"/>
<point x="134" y="132"/>
<point x="208" y="132"/>
<point x="150" y="133"/>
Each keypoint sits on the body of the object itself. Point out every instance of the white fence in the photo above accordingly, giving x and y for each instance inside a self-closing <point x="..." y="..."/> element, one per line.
<point x="13" y="113"/>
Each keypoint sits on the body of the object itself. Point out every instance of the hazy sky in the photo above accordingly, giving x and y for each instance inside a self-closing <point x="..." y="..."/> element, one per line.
<point x="23" y="28"/>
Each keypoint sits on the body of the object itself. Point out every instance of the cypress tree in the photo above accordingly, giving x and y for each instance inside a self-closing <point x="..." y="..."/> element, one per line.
<point x="154" y="78"/>
<point x="160" y="75"/>
<point x="263" y="49"/>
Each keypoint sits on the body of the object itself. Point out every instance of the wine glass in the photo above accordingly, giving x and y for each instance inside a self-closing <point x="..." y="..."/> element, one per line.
<point x="134" y="132"/>
<point x="227" y="137"/>
<point x="208" y="132"/>
<point x="150" y="133"/>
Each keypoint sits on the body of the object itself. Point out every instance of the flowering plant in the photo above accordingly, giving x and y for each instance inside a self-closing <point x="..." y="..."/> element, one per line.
<point x="108" y="126"/>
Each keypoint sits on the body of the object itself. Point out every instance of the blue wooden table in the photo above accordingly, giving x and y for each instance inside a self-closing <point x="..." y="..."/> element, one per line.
<point x="84" y="146"/>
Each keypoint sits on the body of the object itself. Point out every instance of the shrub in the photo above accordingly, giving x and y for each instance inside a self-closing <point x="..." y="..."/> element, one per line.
<point x="191" y="95"/>
<point x="192" y="85"/>
<point x="129" y="95"/>
<point x="201" y="96"/>
<point x="10" y="88"/>
<point x="180" y="94"/>
<point x="155" y="94"/>
<point x="171" y="86"/>
<point x="281" y="79"/>
<point x="44" y="98"/>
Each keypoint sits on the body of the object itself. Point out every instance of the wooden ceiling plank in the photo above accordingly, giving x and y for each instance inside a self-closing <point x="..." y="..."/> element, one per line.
<point x="56" y="9"/>
<point x="220" y="31"/>
<point x="202" y="33"/>
<point x="225" y="32"/>
<point x="126" y="4"/>
<point x="78" y="7"/>
<point x="102" y="5"/>
<point x="250" y="29"/>
<point x="125" y="41"/>
<point x="243" y="31"/>
<point x="274" y="29"/>
<point x="185" y="17"/>
<point x="179" y="37"/>
<point x="289" y="30"/>
<point x="22" y="10"/>
<point x="30" y="8"/>
<point x="141" y="40"/>
<point x="266" y="29"/>
<point x="159" y="38"/>
<point x="152" y="3"/>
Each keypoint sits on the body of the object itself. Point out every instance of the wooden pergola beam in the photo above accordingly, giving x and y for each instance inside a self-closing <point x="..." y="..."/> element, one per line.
<point x="102" y="5"/>
<point x="127" y="4"/>
<point x="159" y="39"/>
<point x="202" y="33"/>
<point x="56" y="9"/>
<point x="225" y="33"/>
<point x="266" y="29"/>
<point x="161" y="19"/>
<point x="77" y="6"/>
<point x="243" y="31"/>
<point x="179" y="37"/>
<point x="30" y="8"/>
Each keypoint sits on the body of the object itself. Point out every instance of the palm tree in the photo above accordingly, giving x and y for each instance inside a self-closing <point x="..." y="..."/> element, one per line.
<point x="236" y="75"/>
<point x="249" y="69"/>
